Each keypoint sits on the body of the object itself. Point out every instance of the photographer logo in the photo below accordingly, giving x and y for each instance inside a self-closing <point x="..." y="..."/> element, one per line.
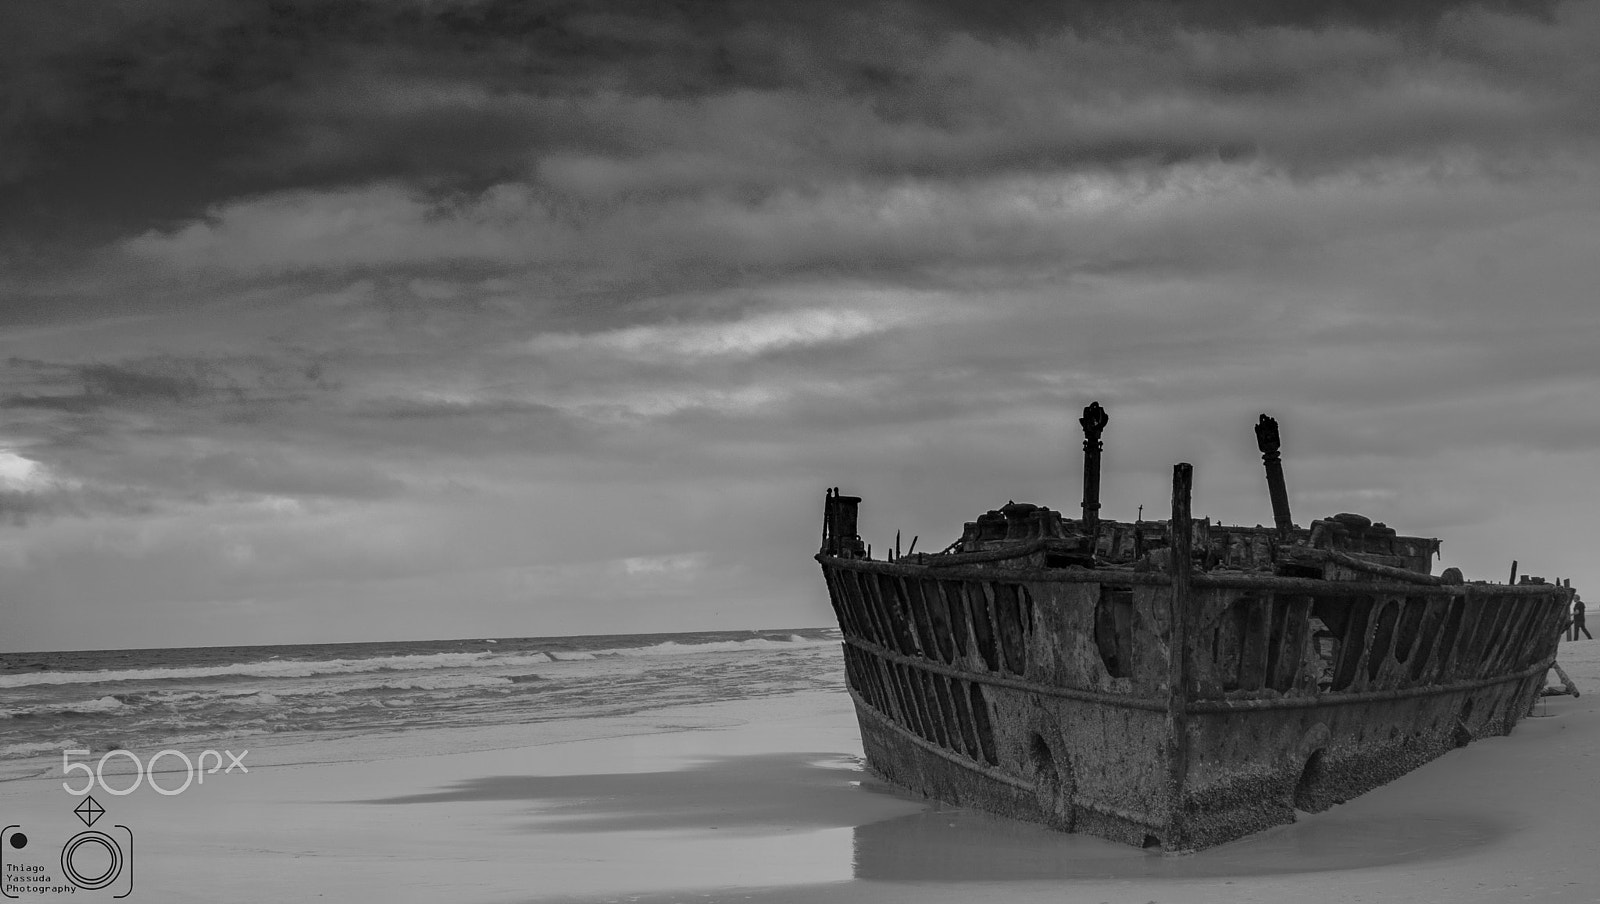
<point x="94" y="860"/>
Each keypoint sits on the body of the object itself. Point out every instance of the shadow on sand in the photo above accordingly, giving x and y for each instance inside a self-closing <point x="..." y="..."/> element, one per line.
<point x="898" y="838"/>
<point x="777" y="791"/>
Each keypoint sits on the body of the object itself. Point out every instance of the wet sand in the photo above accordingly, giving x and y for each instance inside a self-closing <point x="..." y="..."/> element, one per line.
<point x="765" y="801"/>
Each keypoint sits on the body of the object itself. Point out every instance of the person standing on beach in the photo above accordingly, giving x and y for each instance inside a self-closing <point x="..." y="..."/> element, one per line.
<point x="1577" y="619"/>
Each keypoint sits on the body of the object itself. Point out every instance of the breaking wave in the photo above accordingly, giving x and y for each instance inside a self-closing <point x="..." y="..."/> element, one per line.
<point x="307" y="668"/>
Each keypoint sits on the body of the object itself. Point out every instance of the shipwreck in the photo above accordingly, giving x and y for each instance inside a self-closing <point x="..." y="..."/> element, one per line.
<point x="1174" y="684"/>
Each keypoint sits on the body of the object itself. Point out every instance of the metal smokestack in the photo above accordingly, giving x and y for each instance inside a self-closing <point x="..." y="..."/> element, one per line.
<point x="1094" y="421"/>
<point x="1267" y="441"/>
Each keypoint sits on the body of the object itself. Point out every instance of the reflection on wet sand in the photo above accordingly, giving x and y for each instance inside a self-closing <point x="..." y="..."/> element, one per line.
<point x="952" y="845"/>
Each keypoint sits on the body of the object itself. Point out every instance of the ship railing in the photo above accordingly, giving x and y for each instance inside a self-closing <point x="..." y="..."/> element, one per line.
<point x="1395" y="636"/>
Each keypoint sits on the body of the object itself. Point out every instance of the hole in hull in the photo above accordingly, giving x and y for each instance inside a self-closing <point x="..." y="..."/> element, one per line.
<point x="980" y="719"/>
<point x="1382" y="638"/>
<point x="982" y="628"/>
<point x="1462" y="735"/>
<point x="1410" y="625"/>
<point x="1113" y="630"/>
<point x="957" y="607"/>
<point x="1044" y="763"/>
<point x="1352" y="642"/>
<point x="1012" y="627"/>
<point x="1310" y="777"/>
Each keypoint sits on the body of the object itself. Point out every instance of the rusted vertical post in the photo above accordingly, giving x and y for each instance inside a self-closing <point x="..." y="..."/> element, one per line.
<point x="1267" y="441"/>
<point x="1181" y="528"/>
<point x="827" y="522"/>
<point x="1094" y="421"/>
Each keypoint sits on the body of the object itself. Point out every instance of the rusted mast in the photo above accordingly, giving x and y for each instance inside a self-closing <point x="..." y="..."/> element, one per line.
<point x="827" y="522"/>
<point x="1267" y="441"/>
<point x="1094" y="421"/>
<point x="1181" y="527"/>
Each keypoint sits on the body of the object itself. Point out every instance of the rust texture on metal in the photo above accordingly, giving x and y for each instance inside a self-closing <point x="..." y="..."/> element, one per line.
<point x="1094" y="422"/>
<point x="1178" y="652"/>
<point x="1269" y="442"/>
<point x="1174" y="684"/>
<point x="839" y="531"/>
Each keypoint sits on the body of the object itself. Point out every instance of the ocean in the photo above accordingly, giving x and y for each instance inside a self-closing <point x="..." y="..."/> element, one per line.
<point x="266" y="697"/>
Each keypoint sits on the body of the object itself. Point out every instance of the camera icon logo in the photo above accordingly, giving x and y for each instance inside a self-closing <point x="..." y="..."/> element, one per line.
<point x="92" y="860"/>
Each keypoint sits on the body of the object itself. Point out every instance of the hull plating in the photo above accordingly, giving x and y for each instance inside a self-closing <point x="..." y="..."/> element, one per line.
<point x="1057" y="695"/>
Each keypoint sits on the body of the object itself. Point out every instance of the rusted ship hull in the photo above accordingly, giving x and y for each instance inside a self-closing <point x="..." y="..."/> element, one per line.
<point x="1016" y="711"/>
<point x="1200" y="691"/>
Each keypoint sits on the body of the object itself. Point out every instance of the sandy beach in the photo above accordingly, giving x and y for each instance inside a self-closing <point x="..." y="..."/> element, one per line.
<point x="766" y="800"/>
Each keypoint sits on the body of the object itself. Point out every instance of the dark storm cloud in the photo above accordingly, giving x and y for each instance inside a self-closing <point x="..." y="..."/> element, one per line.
<point x="450" y="432"/>
<point x="155" y="112"/>
<point x="145" y="480"/>
<point x="858" y="95"/>
<point x="21" y="507"/>
<point x="141" y="435"/>
<point x="162" y="380"/>
<point x="423" y="409"/>
<point x="245" y="470"/>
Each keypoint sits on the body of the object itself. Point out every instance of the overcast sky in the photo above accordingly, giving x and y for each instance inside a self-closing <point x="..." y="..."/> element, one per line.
<point x="384" y="319"/>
